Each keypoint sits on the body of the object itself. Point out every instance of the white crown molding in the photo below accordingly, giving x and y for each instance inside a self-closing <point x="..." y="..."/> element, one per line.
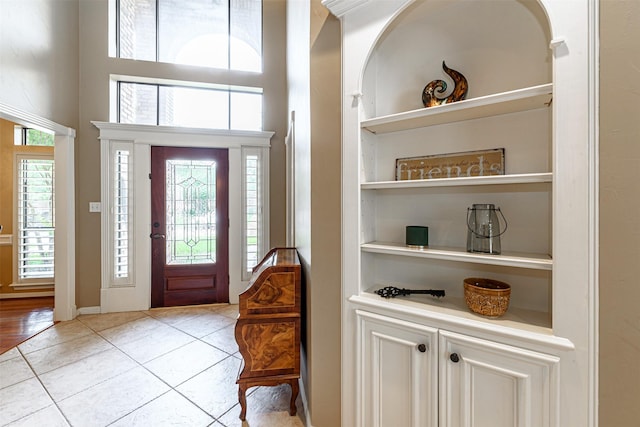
<point x="341" y="7"/>
<point x="167" y="135"/>
<point x="25" y="118"/>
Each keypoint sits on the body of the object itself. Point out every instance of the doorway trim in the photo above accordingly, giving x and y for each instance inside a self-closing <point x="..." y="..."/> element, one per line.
<point x="64" y="205"/>
<point x="136" y="294"/>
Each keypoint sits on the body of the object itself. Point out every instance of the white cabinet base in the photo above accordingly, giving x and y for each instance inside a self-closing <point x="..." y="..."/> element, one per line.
<point x="484" y="383"/>
<point x="414" y="375"/>
<point x="398" y="374"/>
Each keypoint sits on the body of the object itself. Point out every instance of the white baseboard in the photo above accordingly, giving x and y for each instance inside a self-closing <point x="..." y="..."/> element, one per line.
<point x="11" y="295"/>
<point x="303" y="397"/>
<point x="32" y="286"/>
<point x="88" y="310"/>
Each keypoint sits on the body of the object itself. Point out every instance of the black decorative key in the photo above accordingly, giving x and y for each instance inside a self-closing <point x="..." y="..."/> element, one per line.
<point x="392" y="292"/>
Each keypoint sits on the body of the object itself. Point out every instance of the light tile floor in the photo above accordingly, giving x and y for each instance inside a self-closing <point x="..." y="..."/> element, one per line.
<point x="162" y="367"/>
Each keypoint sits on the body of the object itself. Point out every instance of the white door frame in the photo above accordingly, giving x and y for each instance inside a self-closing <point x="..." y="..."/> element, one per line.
<point x="136" y="295"/>
<point x="64" y="206"/>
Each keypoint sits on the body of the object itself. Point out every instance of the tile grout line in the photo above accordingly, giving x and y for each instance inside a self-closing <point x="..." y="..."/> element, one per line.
<point x="171" y="388"/>
<point x="37" y="377"/>
<point x="216" y="420"/>
<point x="97" y="333"/>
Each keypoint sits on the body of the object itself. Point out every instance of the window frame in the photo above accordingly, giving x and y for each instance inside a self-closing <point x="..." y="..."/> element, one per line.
<point x="115" y="279"/>
<point x="115" y="30"/>
<point x="262" y="204"/>
<point x="21" y="137"/>
<point x="19" y="281"/>
<point x="137" y="296"/>
<point x="157" y="84"/>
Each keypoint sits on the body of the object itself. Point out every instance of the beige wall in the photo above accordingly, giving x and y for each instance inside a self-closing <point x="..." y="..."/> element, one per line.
<point x="298" y="18"/>
<point x="325" y="291"/>
<point x="39" y="58"/>
<point x="314" y="94"/>
<point x="619" y="213"/>
<point x="6" y="202"/>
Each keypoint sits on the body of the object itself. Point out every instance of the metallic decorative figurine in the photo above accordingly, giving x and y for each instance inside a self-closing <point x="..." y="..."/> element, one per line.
<point x="392" y="292"/>
<point x="429" y="96"/>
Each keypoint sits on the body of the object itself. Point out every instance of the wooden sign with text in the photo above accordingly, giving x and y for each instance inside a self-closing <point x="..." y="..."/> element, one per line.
<point x="454" y="165"/>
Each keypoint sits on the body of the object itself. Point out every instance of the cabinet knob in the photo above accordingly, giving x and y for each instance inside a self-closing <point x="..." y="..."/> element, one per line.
<point x="454" y="357"/>
<point x="422" y="348"/>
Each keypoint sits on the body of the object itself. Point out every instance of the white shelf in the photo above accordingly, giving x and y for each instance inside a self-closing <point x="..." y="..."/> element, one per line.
<point x="517" y="318"/>
<point x="513" y="259"/>
<point x="528" y="178"/>
<point x="533" y="326"/>
<point x="485" y="106"/>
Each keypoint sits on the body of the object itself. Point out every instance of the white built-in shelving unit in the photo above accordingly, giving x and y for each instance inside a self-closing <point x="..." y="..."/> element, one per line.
<point x="530" y="67"/>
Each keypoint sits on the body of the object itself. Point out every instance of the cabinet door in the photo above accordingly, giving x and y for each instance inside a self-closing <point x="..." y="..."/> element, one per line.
<point x="397" y="373"/>
<point x="486" y="384"/>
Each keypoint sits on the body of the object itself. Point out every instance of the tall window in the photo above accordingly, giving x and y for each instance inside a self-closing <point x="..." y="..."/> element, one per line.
<point x="252" y="205"/>
<point x="122" y="210"/>
<point x="35" y="218"/>
<point x="223" y="34"/>
<point x="255" y="216"/>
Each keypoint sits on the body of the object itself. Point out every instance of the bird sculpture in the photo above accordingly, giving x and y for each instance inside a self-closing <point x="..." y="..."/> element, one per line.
<point x="438" y="87"/>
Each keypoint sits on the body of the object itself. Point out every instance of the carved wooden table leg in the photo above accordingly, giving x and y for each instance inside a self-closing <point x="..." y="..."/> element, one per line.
<point x="295" y="389"/>
<point x="242" y="389"/>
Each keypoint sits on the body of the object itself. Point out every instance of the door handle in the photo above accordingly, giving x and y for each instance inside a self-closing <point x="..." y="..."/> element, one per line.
<point x="157" y="236"/>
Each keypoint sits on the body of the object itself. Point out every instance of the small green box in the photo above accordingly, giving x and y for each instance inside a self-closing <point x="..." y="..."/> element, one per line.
<point x="417" y="236"/>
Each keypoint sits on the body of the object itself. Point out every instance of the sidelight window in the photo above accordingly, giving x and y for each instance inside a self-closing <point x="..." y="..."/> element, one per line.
<point x="121" y="195"/>
<point x="122" y="213"/>
<point x="253" y="205"/>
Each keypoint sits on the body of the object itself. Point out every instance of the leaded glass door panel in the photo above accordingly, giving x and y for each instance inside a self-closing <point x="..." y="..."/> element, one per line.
<point x="189" y="226"/>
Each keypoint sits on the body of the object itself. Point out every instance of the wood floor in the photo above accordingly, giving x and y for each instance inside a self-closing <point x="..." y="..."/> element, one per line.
<point x="22" y="318"/>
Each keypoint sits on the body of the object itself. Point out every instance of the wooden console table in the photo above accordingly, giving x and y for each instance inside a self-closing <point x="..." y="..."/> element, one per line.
<point x="268" y="326"/>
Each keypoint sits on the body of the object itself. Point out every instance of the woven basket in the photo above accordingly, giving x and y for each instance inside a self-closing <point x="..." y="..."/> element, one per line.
<point x="486" y="296"/>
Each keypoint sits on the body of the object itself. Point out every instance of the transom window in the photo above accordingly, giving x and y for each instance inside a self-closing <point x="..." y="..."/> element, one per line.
<point x="176" y="105"/>
<point x="29" y="136"/>
<point x="223" y="34"/>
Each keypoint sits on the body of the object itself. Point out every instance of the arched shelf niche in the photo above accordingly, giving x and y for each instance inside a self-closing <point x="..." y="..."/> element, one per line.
<point x="494" y="53"/>
<point x="500" y="58"/>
